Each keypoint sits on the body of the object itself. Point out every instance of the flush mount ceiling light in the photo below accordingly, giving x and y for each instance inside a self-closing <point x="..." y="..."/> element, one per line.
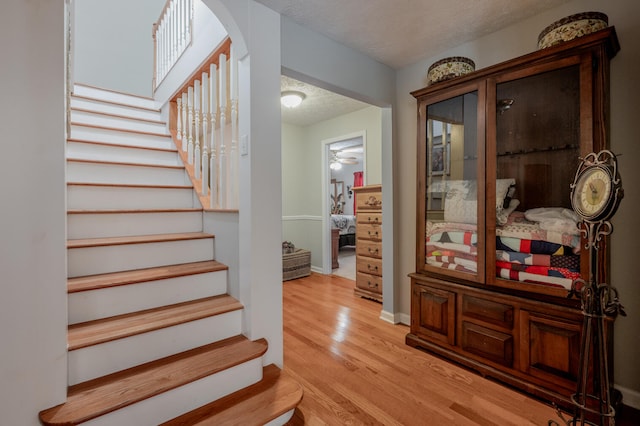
<point x="291" y="98"/>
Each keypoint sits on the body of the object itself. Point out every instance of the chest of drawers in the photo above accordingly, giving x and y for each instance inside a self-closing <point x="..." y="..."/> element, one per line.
<point x="369" y="242"/>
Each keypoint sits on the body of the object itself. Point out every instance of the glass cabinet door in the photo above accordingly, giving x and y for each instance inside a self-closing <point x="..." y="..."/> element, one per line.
<point x="537" y="150"/>
<point x="453" y="203"/>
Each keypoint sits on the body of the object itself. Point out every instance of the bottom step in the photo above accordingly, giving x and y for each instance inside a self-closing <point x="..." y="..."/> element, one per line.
<point x="258" y="404"/>
<point x="103" y="396"/>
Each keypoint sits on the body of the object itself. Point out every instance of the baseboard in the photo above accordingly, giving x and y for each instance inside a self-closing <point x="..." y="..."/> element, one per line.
<point x="630" y="397"/>
<point x="388" y="317"/>
<point x="316" y="269"/>
<point x="404" y="318"/>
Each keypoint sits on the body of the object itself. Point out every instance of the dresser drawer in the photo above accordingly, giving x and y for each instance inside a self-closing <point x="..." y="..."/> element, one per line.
<point x="369" y="248"/>
<point x="369" y="232"/>
<point x="487" y="310"/>
<point x="369" y="265"/>
<point x="369" y="282"/>
<point x="369" y="218"/>
<point x="368" y="201"/>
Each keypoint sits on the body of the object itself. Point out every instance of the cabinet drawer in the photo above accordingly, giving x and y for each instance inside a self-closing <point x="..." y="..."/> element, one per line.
<point x="487" y="310"/>
<point x="369" y="232"/>
<point x="369" y="282"/>
<point x="369" y="265"/>
<point x="369" y="201"/>
<point x="369" y="218"/>
<point x="489" y="344"/>
<point x="369" y="248"/>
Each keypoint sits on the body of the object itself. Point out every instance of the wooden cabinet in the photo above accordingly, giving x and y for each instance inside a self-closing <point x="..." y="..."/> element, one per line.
<point x="369" y="241"/>
<point x="498" y="247"/>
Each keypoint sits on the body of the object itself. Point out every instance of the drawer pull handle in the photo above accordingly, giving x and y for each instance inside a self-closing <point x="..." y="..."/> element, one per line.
<point x="372" y="251"/>
<point x="375" y="233"/>
<point x="373" y="220"/>
<point x="374" y="268"/>
<point x="374" y="284"/>
<point x="372" y="201"/>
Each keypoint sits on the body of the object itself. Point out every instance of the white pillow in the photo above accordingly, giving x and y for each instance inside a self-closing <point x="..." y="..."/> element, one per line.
<point x="461" y="201"/>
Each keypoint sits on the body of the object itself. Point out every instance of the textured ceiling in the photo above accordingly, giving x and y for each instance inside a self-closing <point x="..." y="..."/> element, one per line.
<point x="319" y="105"/>
<point x="402" y="32"/>
<point x="394" y="32"/>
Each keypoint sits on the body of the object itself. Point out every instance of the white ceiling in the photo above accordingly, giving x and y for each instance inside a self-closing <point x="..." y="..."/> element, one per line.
<point x="398" y="32"/>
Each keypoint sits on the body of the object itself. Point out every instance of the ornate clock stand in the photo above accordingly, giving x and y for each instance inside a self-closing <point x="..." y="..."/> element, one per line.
<point x="595" y="202"/>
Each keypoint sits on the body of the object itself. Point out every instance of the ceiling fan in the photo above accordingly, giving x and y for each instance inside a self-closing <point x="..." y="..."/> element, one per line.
<point x="338" y="156"/>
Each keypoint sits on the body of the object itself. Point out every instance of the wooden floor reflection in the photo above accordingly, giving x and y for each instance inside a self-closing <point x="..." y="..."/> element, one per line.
<point x="356" y="368"/>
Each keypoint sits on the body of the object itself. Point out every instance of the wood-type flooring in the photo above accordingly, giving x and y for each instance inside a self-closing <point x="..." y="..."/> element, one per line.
<point x="356" y="369"/>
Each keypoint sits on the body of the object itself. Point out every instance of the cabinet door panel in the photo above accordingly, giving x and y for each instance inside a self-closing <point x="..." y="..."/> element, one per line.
<point x="550" y="348"/>
<point x="433" y="314"/>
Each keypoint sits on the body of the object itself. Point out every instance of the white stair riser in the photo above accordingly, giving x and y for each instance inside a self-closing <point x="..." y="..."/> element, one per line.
<point x="122" y="137"/>
<point x="105" y="358"/>
<point x="123" y="197"/>
<point x="167" y="405"/>
<point x="98" y="119"/>
<point x="125" y="174"/>
<point x="103" y="225"/>
<point x="88" y="151"/>
<point x="107" y="302"/>
<point x="101" y="260"/>
<point x="112" y="108"/>
<point x="281" y="420"/>
<point x="121" y="98"/>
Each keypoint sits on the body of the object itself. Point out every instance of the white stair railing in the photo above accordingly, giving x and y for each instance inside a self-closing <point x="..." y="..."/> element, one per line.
<point x="171" y="36"/>
<point x="207" y="128"/>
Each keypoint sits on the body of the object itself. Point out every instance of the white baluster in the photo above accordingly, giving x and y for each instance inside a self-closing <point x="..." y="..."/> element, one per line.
<point x="179" y="119"/>
<point x="222" y="193"/>
<point x="184" y="121"/>
<point x="197" y="153"/>
<point x="205" y="140"/>
<point x="213" y="168"/>
<point x="190" y="130"/>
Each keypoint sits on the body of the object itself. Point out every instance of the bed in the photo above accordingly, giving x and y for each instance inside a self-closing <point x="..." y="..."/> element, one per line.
<point x="346" y="225"/>
<point x="540" y="246"/>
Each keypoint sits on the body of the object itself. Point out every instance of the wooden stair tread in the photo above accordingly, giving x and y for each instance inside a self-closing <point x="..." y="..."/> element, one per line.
<point x="129" y="185"/>
<point x="182" y="210"/>
<point x="276" y="394"/>
<point x="120" y="145"/>
<point x="117" y="129"/>
<point x="123" y="163"/>
<point x="91" y="399"/>
<point x="123" y="117"/>
<point x="106" y="101"/>
<point x="136" y="239"/>
<point x="114" y="279"/>
<point x="107" y="329"/>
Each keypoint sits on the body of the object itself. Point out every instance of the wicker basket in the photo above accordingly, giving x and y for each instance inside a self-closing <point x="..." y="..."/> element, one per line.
<point x="296" y="264"/>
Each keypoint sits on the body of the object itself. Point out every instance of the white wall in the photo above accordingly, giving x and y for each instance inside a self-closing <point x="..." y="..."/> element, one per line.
<point x="345" y="174"/>
<point x="302" y="173"/>
<point x="114" y="45"/>
<point x="519" y="39"/>
<point x="33" y="310"/>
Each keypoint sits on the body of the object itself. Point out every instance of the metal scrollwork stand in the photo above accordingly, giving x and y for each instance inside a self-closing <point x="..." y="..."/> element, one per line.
<point x="599" y="301"/>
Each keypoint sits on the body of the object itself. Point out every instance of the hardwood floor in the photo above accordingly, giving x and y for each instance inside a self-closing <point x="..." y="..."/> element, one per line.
<point x="356" y="369"/>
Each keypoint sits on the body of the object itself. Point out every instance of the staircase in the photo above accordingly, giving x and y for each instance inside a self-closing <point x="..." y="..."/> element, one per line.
<point x="153" y="335"/>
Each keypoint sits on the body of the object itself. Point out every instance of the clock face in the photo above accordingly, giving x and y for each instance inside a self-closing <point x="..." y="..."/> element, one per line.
<point x="593" y="193"/>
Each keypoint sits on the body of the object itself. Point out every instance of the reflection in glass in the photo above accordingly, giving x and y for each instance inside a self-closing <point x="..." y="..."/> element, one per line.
<point x="451" y="184"/>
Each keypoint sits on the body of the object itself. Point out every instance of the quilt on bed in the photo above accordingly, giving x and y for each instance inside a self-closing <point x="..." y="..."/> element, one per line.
<point x="345" y="223"/>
